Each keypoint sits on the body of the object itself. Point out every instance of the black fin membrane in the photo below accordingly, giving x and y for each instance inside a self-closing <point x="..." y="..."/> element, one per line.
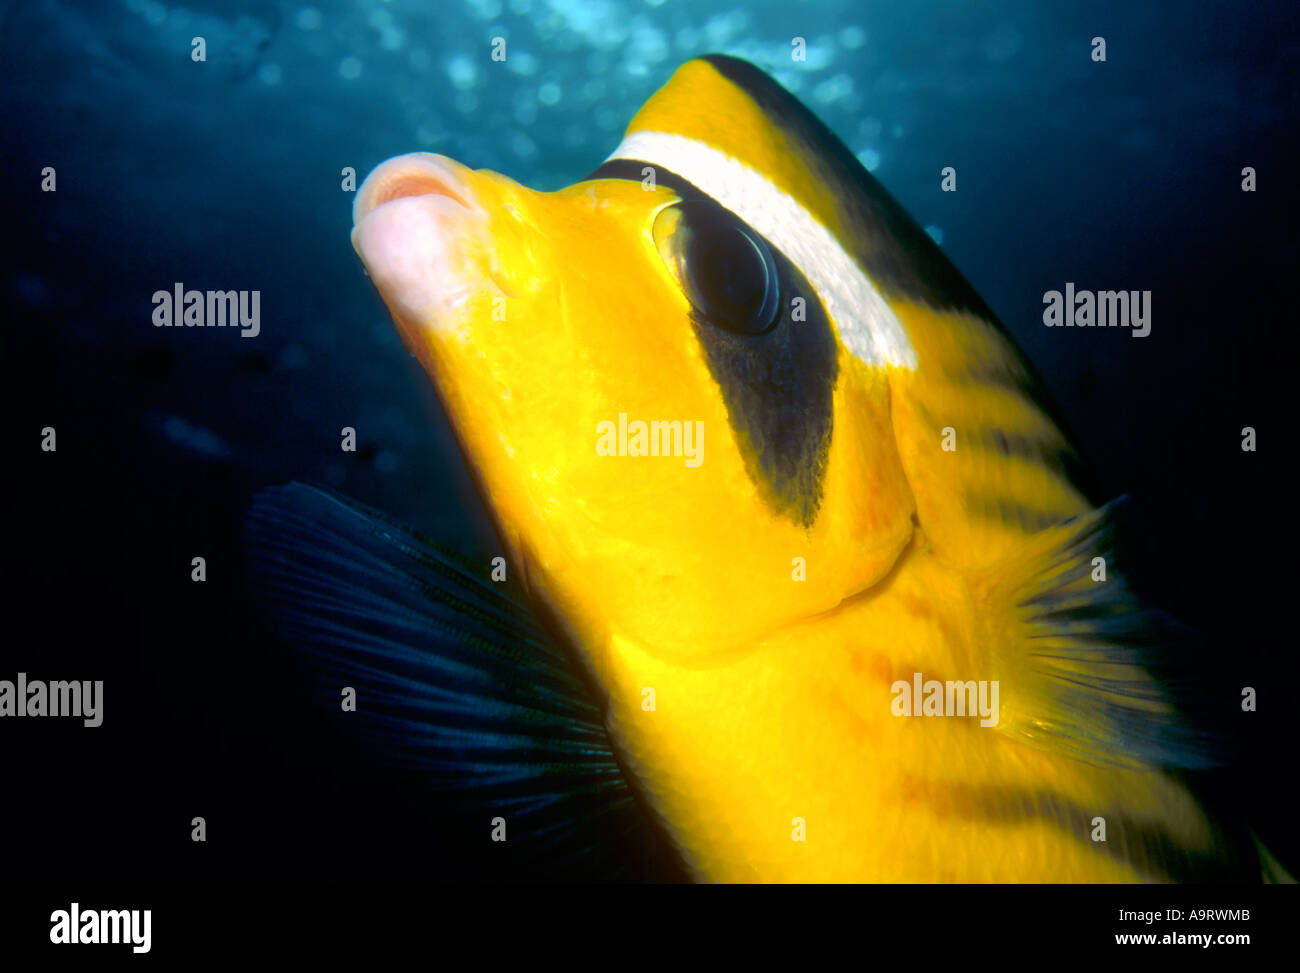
<point x="455" y="681"/>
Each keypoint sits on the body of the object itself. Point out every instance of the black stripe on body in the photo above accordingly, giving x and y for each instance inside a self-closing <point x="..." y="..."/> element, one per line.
<point x="983" y="498"/>
<point x="1058" y="459"/>
<point x="1029" y="519"/>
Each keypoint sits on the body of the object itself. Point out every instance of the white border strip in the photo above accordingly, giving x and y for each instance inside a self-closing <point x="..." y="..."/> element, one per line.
<point x="866" y="323"/>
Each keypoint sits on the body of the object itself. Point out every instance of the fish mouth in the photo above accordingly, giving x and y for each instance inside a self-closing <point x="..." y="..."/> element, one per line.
<point x="411" y="222"/>
<point x="416" y="174"/>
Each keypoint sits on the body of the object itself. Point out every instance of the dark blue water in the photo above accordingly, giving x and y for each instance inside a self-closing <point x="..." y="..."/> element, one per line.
<point x="226" y="174"/>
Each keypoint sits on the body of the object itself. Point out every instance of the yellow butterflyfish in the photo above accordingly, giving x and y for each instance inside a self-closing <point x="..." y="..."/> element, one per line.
<point x="781" y="484"/>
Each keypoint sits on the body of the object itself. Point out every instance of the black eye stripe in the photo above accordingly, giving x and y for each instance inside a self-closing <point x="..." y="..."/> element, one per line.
<point x="777" y="387"/>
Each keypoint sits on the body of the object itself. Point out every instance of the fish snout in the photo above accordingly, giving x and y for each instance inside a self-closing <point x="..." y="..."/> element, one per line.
<point x="417" y="224"/>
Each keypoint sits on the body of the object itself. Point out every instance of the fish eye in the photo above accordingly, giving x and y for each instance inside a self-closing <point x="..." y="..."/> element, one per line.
<point x="726" y="269"/>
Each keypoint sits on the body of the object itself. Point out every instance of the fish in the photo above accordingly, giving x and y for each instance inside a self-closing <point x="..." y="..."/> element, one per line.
<point x="809" y="573"/>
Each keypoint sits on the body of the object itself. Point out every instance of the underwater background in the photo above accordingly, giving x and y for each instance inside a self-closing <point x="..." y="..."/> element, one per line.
<point x="228" y="174"/>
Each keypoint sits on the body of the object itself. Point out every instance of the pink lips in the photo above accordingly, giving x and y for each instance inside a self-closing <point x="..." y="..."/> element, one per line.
<point x="407" y="220"/>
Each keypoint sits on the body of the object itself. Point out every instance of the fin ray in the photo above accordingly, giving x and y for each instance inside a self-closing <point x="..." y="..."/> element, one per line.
<point x="455" y="681"/>
<point x="1099" y="676"/>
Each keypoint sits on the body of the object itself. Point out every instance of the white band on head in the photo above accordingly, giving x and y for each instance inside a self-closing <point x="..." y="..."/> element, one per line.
<point x="866" y="323"/>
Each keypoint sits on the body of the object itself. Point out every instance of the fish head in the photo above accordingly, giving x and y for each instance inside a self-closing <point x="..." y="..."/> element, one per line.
<point x="679" y="447"/>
